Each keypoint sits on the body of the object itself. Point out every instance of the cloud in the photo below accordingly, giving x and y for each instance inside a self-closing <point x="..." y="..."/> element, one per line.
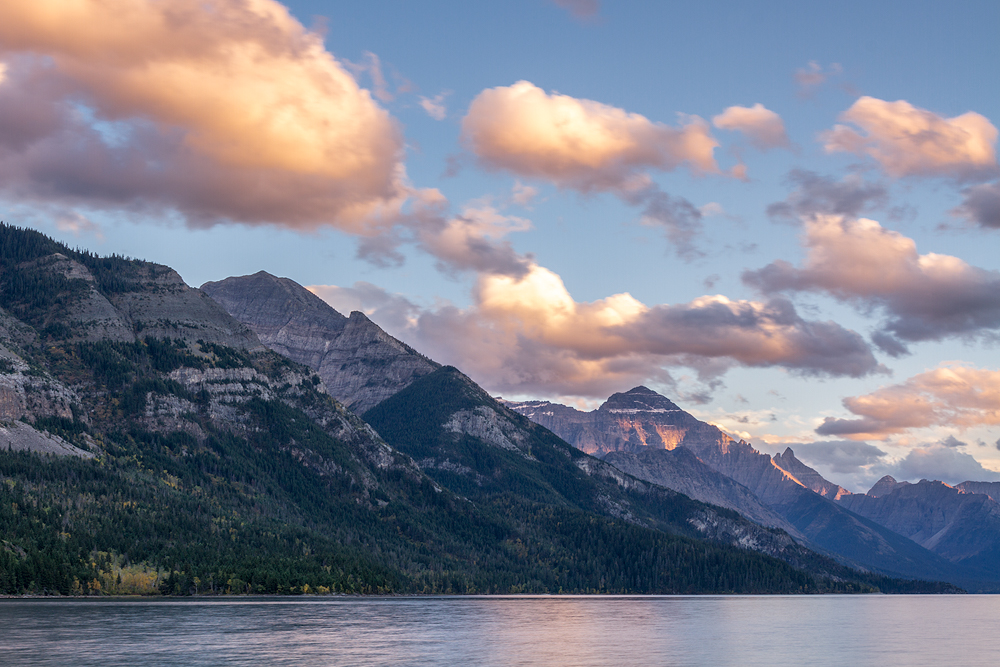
<point x="528" y="335"/>
<point x="813" y="76"/>
<point x="76" y="224"/>
<point x="678" y="218"/>
<point x="982" y="205"/>
<point x="392" y="311"/>
<point x="434" y="106"/>
<point x="588" y="146"/>
<point x="580" y="9"/>
<point x="522" y="194"/>
<point x="839" y="456"/>
<point x="954" y="396"/>
<point x="943" y="463"/>
<point x="923" y="297"/>
<point x="474" y="241"/>
<point x="821" y="194"/>
<point x="908" y="141"/>
<point x="215" y="110"/>
<point x="373" y="68"/>
<point x="763" y="127"/>
<point x="579" y="144"/>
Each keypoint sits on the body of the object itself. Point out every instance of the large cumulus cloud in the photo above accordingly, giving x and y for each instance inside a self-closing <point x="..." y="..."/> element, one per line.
<point x="221" y="111"/>
<point x="909" y="141"/>
<point x="923" y="297"/>
<point x="578" y="144"/>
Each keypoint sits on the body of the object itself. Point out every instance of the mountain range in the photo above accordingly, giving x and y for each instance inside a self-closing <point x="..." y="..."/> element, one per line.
<point x="928" y="530"/>
<point x="247" y="437"/>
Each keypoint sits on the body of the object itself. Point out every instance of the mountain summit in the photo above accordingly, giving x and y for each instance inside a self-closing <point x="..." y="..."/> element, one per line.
<point x="361" y="365"/>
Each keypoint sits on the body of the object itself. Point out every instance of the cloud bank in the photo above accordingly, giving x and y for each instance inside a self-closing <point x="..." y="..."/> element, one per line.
<point x="219" y="111"/>
<point x="527" y="335"/>
<point x="923" y="297"/>
<point x="954" y="396"/>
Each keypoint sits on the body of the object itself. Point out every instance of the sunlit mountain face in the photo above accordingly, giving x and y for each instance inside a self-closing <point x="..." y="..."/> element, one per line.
<point x="784" y="219"/>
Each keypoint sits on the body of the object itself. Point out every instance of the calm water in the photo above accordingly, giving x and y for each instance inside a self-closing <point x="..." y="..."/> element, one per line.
<point x="816" y="630"/>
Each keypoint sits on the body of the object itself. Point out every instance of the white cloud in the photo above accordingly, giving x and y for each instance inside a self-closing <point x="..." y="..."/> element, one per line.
<point x="579" y="144"/>
<point x="434" y="106"/>
<point x="763" y="127"/>
<point x="908" y="141"/>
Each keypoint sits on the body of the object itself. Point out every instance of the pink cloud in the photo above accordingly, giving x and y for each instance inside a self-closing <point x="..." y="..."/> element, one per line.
<point x="580" y="9"/>
<point x="981" y="205"/>
<point x="528" y="335"/>
<point x="908" y="141"/>
<point x="954" y="396"/>
<point x="924" y="297"/>
<point x="579" y="144"/>
<point x="763" y="127"/>
<point x="220" y="111"/>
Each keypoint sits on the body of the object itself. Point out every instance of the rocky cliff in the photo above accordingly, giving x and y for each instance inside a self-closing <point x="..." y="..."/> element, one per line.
<point x="360" y="364"/>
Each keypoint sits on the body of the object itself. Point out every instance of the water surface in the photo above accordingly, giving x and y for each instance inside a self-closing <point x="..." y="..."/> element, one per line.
<point x="547" y="630"/>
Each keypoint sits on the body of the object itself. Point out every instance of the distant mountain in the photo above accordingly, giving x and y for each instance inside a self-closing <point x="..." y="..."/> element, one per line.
<point x="641" y="419"/>
<point x="360" y="364"/>
<point x="962" y="527"/>
<point x="991" y="489"/>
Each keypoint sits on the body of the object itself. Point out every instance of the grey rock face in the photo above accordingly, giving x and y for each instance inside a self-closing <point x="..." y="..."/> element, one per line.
<point x="21" y="437"/>
<point x="679" y="469"/>
<point x="626" y="422"/>
<point x="884" y="486"/>
<point x="360" y="364"/>
<point x="962" y="527"/>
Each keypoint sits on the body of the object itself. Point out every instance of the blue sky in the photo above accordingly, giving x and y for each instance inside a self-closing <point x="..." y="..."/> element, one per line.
<point x="662" y="230"/>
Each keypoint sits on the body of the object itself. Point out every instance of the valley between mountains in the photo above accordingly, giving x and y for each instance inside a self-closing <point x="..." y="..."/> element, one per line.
<point x="245" y="437"/>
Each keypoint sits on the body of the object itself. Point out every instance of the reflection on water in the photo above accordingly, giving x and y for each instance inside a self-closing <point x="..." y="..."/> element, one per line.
<point x="558" y="630"/>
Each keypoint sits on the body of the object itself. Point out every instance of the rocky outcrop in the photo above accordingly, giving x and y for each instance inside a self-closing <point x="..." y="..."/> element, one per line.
<point x="807" y="476"/>
<point x="360" y="364"/>
<point x="21" y="437"/>
<point x="30" y="393"/>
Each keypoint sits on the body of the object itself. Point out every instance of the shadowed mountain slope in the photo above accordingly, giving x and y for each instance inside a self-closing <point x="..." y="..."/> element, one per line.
<point x="962" y="527"/>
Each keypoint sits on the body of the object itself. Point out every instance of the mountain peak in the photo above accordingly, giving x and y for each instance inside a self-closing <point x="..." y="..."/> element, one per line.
<point x="639" y="400"/>
<point x="884" y="486"/>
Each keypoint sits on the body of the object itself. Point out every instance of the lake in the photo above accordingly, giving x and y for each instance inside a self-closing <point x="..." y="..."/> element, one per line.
<point x="519" y="630"/>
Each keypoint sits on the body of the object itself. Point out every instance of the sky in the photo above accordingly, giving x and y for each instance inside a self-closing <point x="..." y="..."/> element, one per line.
<point x="784" y="216"/>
